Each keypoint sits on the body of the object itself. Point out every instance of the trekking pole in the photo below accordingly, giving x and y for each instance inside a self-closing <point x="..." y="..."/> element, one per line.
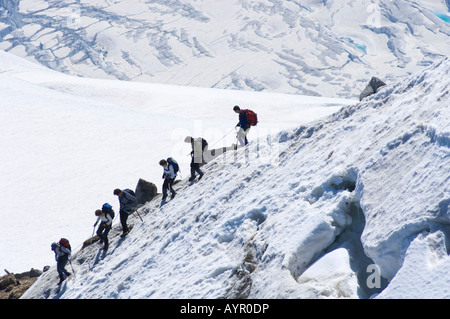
<point x="73" y="271"/>
<point x="222" y="137"/>
<point x="139" y="215"/>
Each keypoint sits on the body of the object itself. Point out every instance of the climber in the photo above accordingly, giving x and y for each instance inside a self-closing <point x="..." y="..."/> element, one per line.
<point x="105" y="216"/>
<point x="169" y="176"/>
<point x="63" y="254"/>
<point x="128" y="203"/>
<point x="247" y="118"/>
<point x="199" y="147"/>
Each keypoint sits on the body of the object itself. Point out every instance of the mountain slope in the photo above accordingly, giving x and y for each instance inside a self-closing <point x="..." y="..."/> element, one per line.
<point x="367" y="185"/>
<point x="314" y="47"/>
<point x="68" y="141"/>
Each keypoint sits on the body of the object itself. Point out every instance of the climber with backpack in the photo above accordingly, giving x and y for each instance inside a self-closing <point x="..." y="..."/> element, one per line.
<point x="63" y="254"/>
<point x="171" y="169"/>
<point x="247" y="119"/>
<point x="105" y="216"/>
<point x="127" y="204"/>
<point x="199" y="148"/>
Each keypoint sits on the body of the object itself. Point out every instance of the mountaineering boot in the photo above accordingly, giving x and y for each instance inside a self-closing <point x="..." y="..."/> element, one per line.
<point x="67" y="276"/>
<point x="105" y="248"/>
<point x="200" y="176"/>
<point x="191" y="178"/>
<point x="126" y="232"/>
<point x="173" y="195"/>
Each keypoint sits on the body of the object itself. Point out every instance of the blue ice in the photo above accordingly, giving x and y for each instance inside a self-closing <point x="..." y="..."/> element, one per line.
<point x="442" y="16"/>
<point x="361" y="47"/>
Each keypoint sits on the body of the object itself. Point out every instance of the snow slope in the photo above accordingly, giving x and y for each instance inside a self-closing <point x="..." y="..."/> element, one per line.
<point x="311" y="47"/>
<point x="361" y="193"/>
<point x="67" y="142"/>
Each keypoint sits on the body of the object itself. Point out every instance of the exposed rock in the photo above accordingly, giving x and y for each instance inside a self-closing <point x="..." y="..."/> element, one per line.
<point x="8" y="280"/>
<point x="145" y="191"/>
<point x="13" y="286"/>
<point x="33" y="273"/>
<point x="371" y="88"/>
<point x="90" y="241"/>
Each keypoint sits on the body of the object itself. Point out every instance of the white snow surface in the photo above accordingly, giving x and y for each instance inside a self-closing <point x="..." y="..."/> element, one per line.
<point x="301" y="213"/>
<point x="68" y="142"/>
<point x="313" y="47"/>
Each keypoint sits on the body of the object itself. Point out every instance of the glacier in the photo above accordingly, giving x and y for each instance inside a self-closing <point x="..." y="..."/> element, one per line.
<point x="313" y="47"/>
<point x="361" y="193"/>
<point x="331" y="199"/>
<point x="68" y="141"/>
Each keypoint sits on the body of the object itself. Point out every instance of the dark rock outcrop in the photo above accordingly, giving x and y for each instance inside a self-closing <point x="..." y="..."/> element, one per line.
<point x="13" y="286"/>
<point x="145" y="191"/>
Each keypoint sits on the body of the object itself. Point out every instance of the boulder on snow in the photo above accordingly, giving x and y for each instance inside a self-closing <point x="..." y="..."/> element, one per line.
<point x="371" y="88"/>
<point x="145" y="191"/>
<point x="90" y="241"/>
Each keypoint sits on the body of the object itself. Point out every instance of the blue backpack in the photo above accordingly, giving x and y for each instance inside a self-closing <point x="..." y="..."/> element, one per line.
<point x="107" y="208"/>
<point x="174" y="164"/>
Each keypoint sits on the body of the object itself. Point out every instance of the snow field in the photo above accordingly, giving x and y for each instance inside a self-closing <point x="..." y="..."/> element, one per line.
<point x="319" y="48"/>
<point x="68" y="142"/>
<point x="356" y="207"/>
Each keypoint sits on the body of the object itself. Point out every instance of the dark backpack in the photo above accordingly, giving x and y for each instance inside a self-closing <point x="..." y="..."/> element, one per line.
<point x="204" y="144"/>
<point x="174" y="164"/>
<point x="65" y="243"/>
<point x="129" y="191"/>
<point x="252" y="117"/>
<point x="107" y="209"/>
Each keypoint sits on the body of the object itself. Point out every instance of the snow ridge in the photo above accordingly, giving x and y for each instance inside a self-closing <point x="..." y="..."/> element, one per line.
<point x="347" y="210"/>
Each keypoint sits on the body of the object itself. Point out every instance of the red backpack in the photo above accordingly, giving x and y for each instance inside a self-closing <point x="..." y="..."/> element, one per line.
<point x="65" y="242"/>
<point x="252" y="117"/>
